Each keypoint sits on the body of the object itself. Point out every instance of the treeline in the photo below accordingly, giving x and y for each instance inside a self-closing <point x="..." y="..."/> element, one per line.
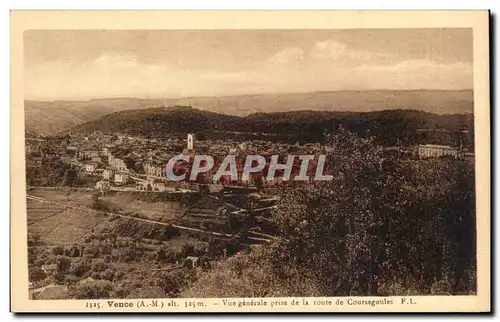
<point x="389" y="127"/>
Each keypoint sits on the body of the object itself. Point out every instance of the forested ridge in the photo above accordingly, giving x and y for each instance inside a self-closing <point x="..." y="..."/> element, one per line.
<point x="388" y="126"/>
<point x="53" y="117"/>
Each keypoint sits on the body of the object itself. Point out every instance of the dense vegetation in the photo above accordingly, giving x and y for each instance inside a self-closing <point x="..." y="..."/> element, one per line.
<point x="390" y="127"/>
<point x="381" y="227"/>
<point x="115" y="266"/>
<point x="53" y="172"/>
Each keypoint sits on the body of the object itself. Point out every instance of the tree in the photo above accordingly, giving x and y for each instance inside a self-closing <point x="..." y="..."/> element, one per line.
<point x="58" y="250"/>
<point x="97" y="201"/>
<point x="130" y="163"/>
<point x="79" y="268"/>
<point x="70" y="177"/>
<point x="128" y="254"/>
<point x="36" y="274"/>
<point x="73" y="251"/>
<point x="108" y="274"/>
<point x="99" y="265"/>
<point x="63" y="264"/>
<point x="90" y="252"/>
<point x="92" y="290"/>
<point x="173" y="281"/>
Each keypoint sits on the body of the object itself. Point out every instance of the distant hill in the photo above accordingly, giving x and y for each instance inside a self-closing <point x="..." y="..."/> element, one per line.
<point x="48" y="118"/>
<point x="388" y="126"/>
<point x="53" y="117"/>
<point x="158" y="121"/>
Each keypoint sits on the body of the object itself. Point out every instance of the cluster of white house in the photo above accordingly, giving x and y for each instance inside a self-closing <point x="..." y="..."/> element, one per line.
<point x="115" y="172"/>
<point x="436" y="151"/>
<point x="153" y="185"/>
<point x="109" y="174"/>
<point x="118" y="172"/>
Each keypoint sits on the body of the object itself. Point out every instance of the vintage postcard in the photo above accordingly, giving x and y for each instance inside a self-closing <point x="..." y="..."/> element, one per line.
<point x="206" y="161"/>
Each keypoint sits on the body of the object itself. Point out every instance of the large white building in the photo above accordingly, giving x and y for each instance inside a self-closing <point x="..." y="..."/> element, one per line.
<point x="434" y="150"/>
<point x="121" y="178"/>
<point x="102" y="185"/>
<point x="107" y="174"/>
<point x="152" y="171"/>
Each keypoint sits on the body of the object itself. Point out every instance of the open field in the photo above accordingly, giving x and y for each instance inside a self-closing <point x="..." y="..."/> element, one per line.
<point x="79" y="196"/>
<point x="40" y="212"/>
<point x="125" y="202"/>
<point x="65" y="227"/>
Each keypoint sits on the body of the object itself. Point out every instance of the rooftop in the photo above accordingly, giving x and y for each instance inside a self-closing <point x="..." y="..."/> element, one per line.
<point x="436" y="146"/>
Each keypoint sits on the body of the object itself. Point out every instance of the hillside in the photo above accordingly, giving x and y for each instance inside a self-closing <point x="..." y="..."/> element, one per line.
<point x="52" y="117"/>
<point x="48" y="118"/>
<point x="157" y="121"/>
<point x="388" y="126"/>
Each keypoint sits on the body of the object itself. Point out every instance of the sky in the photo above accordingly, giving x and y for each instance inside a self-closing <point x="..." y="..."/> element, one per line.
<point x="87" y="64"/>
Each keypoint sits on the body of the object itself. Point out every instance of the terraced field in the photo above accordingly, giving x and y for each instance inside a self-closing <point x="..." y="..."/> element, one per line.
<point x="38" y="212"/>
<point x="124" y="202"/>
<point x="57" y="226"/>
<point x="129" y="203"/>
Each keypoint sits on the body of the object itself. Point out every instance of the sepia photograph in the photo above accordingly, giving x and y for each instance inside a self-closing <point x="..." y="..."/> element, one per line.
<point x="322" y="168"/>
